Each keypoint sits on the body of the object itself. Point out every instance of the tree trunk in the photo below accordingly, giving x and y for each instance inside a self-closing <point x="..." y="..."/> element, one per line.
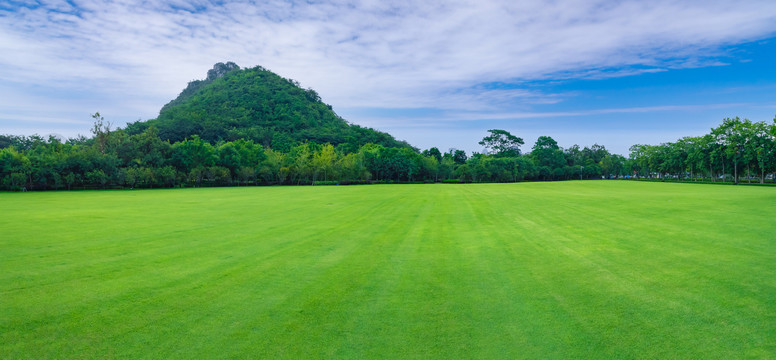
<point x="748" y="174"/>
<point x="735" y="172"/>
<point x="723" y="172"/>
<point x="711" y="172"/>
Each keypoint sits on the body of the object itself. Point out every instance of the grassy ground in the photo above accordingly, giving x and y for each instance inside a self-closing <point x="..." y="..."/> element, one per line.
<point x="594" y="269"/>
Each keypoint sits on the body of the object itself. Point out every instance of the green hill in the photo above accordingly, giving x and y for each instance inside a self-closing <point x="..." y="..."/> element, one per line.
<point x="257" y="104"/>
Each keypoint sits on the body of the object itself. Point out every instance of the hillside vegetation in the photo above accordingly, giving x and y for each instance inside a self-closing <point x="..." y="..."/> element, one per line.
<point x="251" y="126"/>
<point x="259" y="105"/>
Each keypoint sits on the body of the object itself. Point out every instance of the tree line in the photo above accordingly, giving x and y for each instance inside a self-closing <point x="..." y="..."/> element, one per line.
<point x="734" y="150"/>
<point x="118" y="159"/>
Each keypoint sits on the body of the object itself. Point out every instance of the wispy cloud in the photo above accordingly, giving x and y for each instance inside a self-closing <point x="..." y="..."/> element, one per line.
<point x="361" y="53"/>
<point x="472" y="116"/>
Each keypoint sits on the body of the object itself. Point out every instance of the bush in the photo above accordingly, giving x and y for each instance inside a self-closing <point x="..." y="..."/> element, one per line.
<point x="356" y="182"/>
<point x="330" y="182"/>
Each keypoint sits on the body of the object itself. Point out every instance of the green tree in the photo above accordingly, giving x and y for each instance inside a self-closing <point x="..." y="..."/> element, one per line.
<point x="15" y="168"/>
<point x="229" y="157"/>
<point x="430" y="168"/>
<point x="323" y="161"/>
<point x="101" y="131"/>
<point x="459" y="156"/>
<point x="167" y="176"/>
<point x="763" y="148"/>
<point x="302" y="163"/>
<point x="97" y="177"/>
<point x="729" y="136"/>
<point x="446" y="167"/>
<point x="434" y="152"/>
<point x="549" y="157"/>
<point x="193" y="153"/>
<point x="463" y="173"/>
<point x="375" y="164"/>
<point x="71" y="179"/>
<point x="270" y="170"/>
<point x="612" y="165"/>
<point x="773" y="128"/>
<point x="502" y="143"/>
<point x="351" y="167"/>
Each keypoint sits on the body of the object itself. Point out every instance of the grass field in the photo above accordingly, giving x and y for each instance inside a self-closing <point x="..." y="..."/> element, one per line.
<point x="594" y="269"/>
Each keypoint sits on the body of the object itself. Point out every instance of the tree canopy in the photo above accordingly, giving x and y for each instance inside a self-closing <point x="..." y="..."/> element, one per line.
<point x="259" y="105"/>
<point x="502" y="143"/>
<point x="251" y="126"/>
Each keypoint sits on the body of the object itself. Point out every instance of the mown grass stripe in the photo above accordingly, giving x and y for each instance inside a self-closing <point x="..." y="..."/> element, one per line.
<point x="536" y="270"/>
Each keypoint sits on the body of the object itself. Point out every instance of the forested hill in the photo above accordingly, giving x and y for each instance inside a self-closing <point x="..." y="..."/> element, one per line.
<point x="257" y="104"/>
<point x="218" y="71"/>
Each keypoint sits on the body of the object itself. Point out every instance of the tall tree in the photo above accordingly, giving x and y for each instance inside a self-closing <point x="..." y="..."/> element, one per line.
<point x="459" y="156"/>
<point x="433" y="152"/>
<point x="730" y="137"/>
<point x="548" y="157"/>
<point x="323" y="161"/>
<point x="502" y="143"/>
<point x="101" y="131"/>
<point x="192" y="153"/>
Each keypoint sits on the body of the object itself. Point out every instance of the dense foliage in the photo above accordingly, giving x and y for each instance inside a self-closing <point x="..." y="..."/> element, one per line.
<point x="251" y="126"/>
<point x="259" y="105"/>
<point x="120" y="159"/>
<point x="736" y="147"/>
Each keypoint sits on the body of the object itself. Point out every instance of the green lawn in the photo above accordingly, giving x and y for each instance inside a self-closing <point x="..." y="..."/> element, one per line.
<point x="593" y="269"/>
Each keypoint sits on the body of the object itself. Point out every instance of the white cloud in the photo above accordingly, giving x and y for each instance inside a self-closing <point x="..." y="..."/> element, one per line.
<point x="362" y="53"/>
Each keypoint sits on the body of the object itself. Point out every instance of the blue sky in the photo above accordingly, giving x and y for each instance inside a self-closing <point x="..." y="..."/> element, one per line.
<point x="434" y="73"/>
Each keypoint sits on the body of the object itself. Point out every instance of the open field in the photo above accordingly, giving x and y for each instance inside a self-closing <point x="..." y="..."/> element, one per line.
<point x="594" y="269"/>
